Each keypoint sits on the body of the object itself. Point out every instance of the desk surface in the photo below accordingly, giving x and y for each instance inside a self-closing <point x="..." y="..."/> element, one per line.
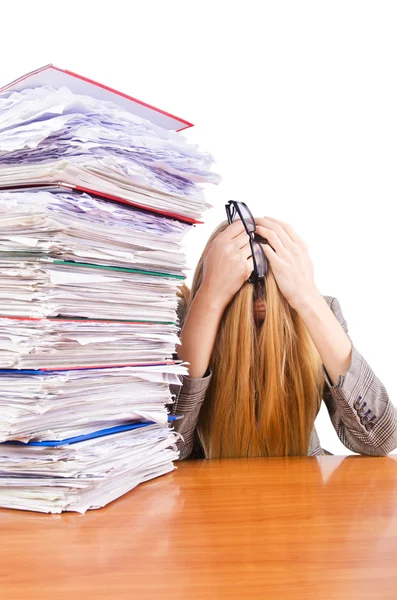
<point x="275" y="528"/>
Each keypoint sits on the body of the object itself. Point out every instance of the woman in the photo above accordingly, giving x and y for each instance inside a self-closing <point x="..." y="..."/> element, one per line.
<point x="262" y="356"/>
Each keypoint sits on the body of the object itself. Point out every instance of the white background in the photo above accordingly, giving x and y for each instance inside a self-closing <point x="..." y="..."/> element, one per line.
<point x="296" y="101"/>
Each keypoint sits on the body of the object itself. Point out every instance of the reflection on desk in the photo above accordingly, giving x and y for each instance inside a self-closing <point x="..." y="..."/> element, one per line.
<point x="277" y="528"/>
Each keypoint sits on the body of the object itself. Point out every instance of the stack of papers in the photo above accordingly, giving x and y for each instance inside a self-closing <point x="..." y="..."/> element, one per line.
<point x="72" y="255"/>
<point x="95" y="203"/>
<point x="49" y="136"/>
<point x="62" y="344"/>
<point x="83" y="475"/>
<point x="43" y="225"/>
<point x="57" y="405"/>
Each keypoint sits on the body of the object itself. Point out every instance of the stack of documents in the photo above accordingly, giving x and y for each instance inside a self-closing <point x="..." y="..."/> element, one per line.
<point x="49" y="135"/>
<point x="57" y="405"/>
<point x="71" y="226"/>
<point x="84" y="474"/>
<point x="61" y="343"/>
<point x="95" y="202"/>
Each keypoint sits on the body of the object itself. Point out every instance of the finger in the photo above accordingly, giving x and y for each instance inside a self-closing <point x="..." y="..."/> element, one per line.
<point x="242" y="239"/>
<point x="288" y="228"/>
<point x="274" y="240"/>
<point x="279" y="230"/>
<point x="234" y="229"/>
<point x="270" y="254"/>
<point x="246" y="251"/>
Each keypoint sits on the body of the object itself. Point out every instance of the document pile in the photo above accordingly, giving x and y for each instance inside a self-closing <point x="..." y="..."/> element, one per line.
<point x="95" y="202"/>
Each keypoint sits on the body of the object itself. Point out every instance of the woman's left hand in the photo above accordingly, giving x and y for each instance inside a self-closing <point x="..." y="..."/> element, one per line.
<point x="288" y="256"/>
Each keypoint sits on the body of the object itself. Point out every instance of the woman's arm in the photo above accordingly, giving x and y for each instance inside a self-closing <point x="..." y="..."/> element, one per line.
<point x="330" y="339"/>
<point x="227" y="264"/>
<point x="199" y="331"/>
<point x="197" y="341"/>
<point x="189" y="400"/>
<point x="359" y="406"/>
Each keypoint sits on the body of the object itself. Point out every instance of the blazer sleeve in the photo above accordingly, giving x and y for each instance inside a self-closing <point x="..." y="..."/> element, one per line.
<point x="189" y="398"/>
<point x="359" y="406"/>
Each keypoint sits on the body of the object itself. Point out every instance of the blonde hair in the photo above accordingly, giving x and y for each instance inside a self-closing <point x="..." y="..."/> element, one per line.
<point x="267" y="381"/>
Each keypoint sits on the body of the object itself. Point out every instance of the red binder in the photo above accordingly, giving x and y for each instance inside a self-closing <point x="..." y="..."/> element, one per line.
<point x="57" y="78"/>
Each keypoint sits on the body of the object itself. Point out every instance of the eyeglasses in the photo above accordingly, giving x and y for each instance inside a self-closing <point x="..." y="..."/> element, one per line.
<point x="236" y="209"/>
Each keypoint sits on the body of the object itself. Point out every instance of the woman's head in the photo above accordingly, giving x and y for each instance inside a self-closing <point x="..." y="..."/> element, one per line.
<point x="267" y="382"/>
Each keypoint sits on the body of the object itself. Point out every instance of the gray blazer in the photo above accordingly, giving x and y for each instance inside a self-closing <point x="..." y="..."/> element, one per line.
<point x="358" y="404"/>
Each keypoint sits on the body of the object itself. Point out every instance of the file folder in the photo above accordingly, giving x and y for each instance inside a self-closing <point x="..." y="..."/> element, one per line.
<point x="60" y="186"/>
<point x="87" y="436"/>
<point x="57" y="78"/>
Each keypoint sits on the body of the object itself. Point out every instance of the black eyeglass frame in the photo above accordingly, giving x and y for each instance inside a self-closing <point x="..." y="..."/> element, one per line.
<point x="233" y="207"/>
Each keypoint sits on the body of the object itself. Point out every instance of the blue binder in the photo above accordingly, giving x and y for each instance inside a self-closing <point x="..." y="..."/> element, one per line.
<point x="89" y="436"/>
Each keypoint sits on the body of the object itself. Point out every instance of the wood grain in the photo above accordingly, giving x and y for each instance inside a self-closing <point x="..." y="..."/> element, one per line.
<point x="300" y="528"/>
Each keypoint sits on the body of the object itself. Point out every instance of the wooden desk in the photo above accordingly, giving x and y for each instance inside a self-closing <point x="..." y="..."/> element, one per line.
<point x="296" y="528"/>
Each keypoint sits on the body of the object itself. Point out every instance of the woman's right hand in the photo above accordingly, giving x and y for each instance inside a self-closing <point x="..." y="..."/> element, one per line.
<point x="227" y="263"/>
